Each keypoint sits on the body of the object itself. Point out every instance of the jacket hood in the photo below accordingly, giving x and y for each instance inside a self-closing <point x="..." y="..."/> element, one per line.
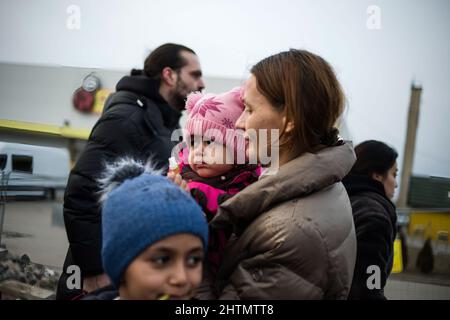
<point x="132" y="88"/>
<point x="309" y="173"/>
<point x="141" y="85"/>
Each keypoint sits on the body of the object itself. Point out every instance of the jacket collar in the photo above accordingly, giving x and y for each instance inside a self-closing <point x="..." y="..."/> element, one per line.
<point x="236" y="178"/>
<point x="298" y="178"/>
<point x="357" y="184"/>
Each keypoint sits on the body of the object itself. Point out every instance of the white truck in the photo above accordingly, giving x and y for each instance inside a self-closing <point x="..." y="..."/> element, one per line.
<point x="30" y="170"/>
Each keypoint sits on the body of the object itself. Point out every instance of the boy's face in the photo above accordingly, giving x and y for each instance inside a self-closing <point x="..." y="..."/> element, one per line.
<point x="171" y="266"/>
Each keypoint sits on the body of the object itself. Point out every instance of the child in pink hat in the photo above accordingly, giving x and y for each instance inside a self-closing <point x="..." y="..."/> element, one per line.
<point x="209" y="164"/>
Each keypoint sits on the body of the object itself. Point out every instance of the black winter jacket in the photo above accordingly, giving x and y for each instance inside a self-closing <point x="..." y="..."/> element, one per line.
<point x="136" y="122"/>
<point x="105" y="293"/>
<point x="376" y="228"/>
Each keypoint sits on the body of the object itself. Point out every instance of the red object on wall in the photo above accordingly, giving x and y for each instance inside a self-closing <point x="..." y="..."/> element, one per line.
<point x="83" y="100"/>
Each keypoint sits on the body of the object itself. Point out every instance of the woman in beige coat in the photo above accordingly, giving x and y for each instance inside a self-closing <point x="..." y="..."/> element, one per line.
<point x="293" y="233"/>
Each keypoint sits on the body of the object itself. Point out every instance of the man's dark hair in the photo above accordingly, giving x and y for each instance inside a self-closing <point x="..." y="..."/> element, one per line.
<point x="373" y="157"/>
<point x="166" y="55"/>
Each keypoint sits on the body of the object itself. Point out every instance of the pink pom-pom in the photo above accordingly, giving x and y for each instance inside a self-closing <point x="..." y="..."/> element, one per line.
<point x="238" y="94"/>
<point x="192" y="100"/>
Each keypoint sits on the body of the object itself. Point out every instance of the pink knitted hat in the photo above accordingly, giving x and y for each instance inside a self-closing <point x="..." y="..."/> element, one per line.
<point x="213" y="116"/>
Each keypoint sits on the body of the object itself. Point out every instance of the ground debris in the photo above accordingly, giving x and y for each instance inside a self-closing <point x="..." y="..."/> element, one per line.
<point x="23" y="270"/>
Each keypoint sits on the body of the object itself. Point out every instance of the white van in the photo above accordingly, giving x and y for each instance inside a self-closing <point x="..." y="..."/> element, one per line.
<point x="29" y="170"/>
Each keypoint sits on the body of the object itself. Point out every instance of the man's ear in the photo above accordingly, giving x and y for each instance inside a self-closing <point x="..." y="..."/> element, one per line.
<point x="378" y="177"/>
<point x="169" y="76"/>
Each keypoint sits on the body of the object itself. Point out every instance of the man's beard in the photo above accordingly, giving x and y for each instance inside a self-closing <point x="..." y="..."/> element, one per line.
<point x="178" y="95"/>
<point x="178" y="100"/>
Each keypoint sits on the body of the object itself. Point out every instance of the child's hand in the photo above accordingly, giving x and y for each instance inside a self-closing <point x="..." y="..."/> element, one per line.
<point x="178" y="180"/>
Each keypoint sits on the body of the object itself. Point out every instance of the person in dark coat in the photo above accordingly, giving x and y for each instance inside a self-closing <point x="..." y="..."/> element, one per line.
<point x="137" y="121"/>
<point x="370" y="186"/>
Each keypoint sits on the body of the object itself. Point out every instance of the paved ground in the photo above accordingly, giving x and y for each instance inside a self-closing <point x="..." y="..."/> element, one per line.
<point x="406" y="290"/>
<point x="37" y="229"/>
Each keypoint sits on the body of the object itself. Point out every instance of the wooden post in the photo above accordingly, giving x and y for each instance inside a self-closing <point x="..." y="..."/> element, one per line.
<point x="408" y="156"/>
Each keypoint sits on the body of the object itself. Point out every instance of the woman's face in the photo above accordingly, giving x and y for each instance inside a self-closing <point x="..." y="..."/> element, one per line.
<point x="258" y="114"/>
<point x="171" y="266"/>
<point x="389" y="181"/>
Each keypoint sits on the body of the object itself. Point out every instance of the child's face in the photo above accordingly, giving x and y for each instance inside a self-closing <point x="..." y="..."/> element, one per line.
<point x="171" y="266"/>
<point x="208" y="159"/>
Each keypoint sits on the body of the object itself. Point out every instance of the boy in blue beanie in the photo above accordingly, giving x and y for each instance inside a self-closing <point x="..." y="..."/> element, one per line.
<point x="154" y="235"/>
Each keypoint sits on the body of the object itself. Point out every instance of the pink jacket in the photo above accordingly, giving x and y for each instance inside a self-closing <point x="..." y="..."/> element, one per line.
<point x="210" y="193"/>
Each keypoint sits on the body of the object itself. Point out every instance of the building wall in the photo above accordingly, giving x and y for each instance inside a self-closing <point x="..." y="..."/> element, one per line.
<point x="43" y="94"/>
<point x="429" y="192"/>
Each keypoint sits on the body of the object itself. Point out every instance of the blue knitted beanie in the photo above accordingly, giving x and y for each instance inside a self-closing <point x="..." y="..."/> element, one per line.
<point x="141" y="207"/>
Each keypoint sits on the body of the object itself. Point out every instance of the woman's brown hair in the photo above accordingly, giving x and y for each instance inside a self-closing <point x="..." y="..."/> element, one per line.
<point x="304" y="87"/>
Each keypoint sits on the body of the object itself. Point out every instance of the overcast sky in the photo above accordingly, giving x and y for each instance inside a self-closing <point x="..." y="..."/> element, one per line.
<point x="376" y="53"/>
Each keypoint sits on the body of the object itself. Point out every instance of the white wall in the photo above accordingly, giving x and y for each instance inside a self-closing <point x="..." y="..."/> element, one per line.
<point x="43" y="94"/>
<point x="376" y="67"/>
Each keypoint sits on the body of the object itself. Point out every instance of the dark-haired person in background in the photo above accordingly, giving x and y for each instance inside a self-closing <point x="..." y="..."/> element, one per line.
<point x="137" y="121"/>
<point x="370" y="186"/>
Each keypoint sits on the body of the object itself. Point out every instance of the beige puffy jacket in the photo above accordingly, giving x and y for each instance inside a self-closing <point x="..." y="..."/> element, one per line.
<point x="294" y="236"/>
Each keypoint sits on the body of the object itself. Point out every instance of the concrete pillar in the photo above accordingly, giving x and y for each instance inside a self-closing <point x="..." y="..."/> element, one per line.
<point x="408" y="153"/>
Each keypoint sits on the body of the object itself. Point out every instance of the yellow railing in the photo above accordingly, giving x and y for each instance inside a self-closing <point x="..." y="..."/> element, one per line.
<point x="64" y="132"/>
<point x="427" y="223"/>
